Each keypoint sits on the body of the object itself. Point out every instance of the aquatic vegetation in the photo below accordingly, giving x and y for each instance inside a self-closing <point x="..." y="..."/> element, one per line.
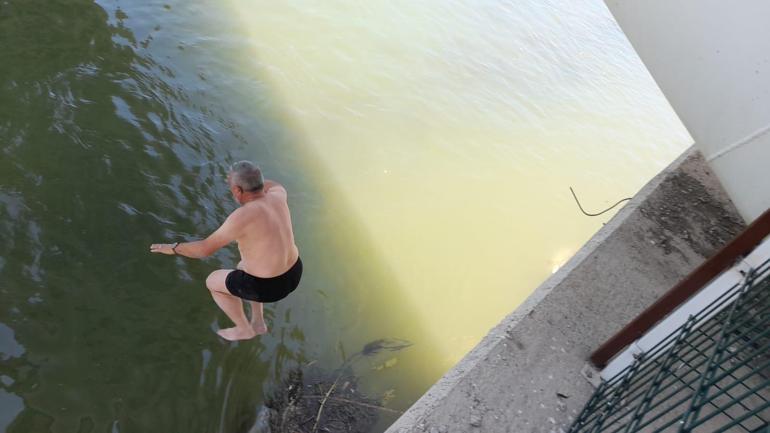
<point x="310" y="400"/>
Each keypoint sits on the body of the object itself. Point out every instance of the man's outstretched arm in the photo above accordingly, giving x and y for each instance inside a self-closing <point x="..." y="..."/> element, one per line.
<point x="203" y="248"/>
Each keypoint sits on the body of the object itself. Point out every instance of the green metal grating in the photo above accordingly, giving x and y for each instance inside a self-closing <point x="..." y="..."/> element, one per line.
<point x="710" y="375"/>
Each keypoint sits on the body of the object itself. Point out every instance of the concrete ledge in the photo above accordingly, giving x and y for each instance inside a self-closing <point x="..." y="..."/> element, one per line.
<point x="525" y="375"/>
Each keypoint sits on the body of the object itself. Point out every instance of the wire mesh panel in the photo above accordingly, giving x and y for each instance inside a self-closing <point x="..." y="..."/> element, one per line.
<point x="710" y="375"/>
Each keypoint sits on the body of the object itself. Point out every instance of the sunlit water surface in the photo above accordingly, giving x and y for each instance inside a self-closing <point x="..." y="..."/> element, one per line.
<point x="428" y="148"/>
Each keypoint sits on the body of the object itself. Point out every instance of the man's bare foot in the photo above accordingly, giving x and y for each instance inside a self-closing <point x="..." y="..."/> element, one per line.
<point x="236" y="333"/>
<point x="259" y="328"/>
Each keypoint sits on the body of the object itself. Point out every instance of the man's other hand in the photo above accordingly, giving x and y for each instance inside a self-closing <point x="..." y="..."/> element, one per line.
<point x="162" y="249"/>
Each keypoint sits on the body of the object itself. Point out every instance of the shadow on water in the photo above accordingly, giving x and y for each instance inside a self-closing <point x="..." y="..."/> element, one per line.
<point x="104" y="152"/>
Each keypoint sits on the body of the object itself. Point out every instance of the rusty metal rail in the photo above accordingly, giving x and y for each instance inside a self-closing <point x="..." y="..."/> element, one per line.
<point x="697" y="279"/>
<point x="710" y="375"/>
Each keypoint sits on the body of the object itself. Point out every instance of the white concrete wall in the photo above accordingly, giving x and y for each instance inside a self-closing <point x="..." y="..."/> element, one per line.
<point x="711" y="58"/>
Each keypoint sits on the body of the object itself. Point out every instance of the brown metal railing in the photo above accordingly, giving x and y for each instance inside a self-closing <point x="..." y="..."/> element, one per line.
<point x="697" y="279"/>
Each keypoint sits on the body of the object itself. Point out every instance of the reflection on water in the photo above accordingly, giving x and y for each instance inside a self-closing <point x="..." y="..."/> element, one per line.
<point x="9" y="347"/>
<point x="427" y="148"/>
<point x="10" y="406"/>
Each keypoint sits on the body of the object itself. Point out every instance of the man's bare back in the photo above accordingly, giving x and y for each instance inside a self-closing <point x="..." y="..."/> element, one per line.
<point x="262" y="228"/>
<point x="270" y="267"/>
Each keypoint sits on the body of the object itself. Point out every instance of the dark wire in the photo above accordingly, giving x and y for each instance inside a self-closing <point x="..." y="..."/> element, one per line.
<point x="595" y="214"/>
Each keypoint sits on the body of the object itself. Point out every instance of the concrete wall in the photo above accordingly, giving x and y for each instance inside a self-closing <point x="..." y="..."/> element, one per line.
<point x="711" y="58"/>
<point x="524" y="376"/>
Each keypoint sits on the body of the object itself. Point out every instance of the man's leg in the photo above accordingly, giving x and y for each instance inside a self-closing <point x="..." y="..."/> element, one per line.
<point x="231" y="305"/>
<point x="257" y="318"/>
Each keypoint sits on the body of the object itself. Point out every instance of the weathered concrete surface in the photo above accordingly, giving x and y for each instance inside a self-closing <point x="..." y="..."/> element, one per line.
<point x="524" y="376"/>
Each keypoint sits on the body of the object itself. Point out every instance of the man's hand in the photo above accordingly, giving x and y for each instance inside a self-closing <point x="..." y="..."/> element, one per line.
<point x="273" y="185"/>
<point x="162" y="249"/>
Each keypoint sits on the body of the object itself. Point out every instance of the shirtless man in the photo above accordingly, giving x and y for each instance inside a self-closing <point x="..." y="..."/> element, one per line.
<point x="270" y="267"/>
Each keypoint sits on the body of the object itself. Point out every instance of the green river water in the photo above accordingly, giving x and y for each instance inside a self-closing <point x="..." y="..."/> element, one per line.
<point x="427" y="148"/>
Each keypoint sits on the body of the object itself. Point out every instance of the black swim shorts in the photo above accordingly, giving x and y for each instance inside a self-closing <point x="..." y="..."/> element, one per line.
<point x="249" y="287"/>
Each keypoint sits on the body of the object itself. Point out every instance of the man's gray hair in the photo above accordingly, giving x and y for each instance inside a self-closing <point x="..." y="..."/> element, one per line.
<point x="247" y="175"/>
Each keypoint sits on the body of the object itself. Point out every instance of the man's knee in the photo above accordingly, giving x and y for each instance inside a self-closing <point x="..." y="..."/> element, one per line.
<point x="216" y="281"/>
